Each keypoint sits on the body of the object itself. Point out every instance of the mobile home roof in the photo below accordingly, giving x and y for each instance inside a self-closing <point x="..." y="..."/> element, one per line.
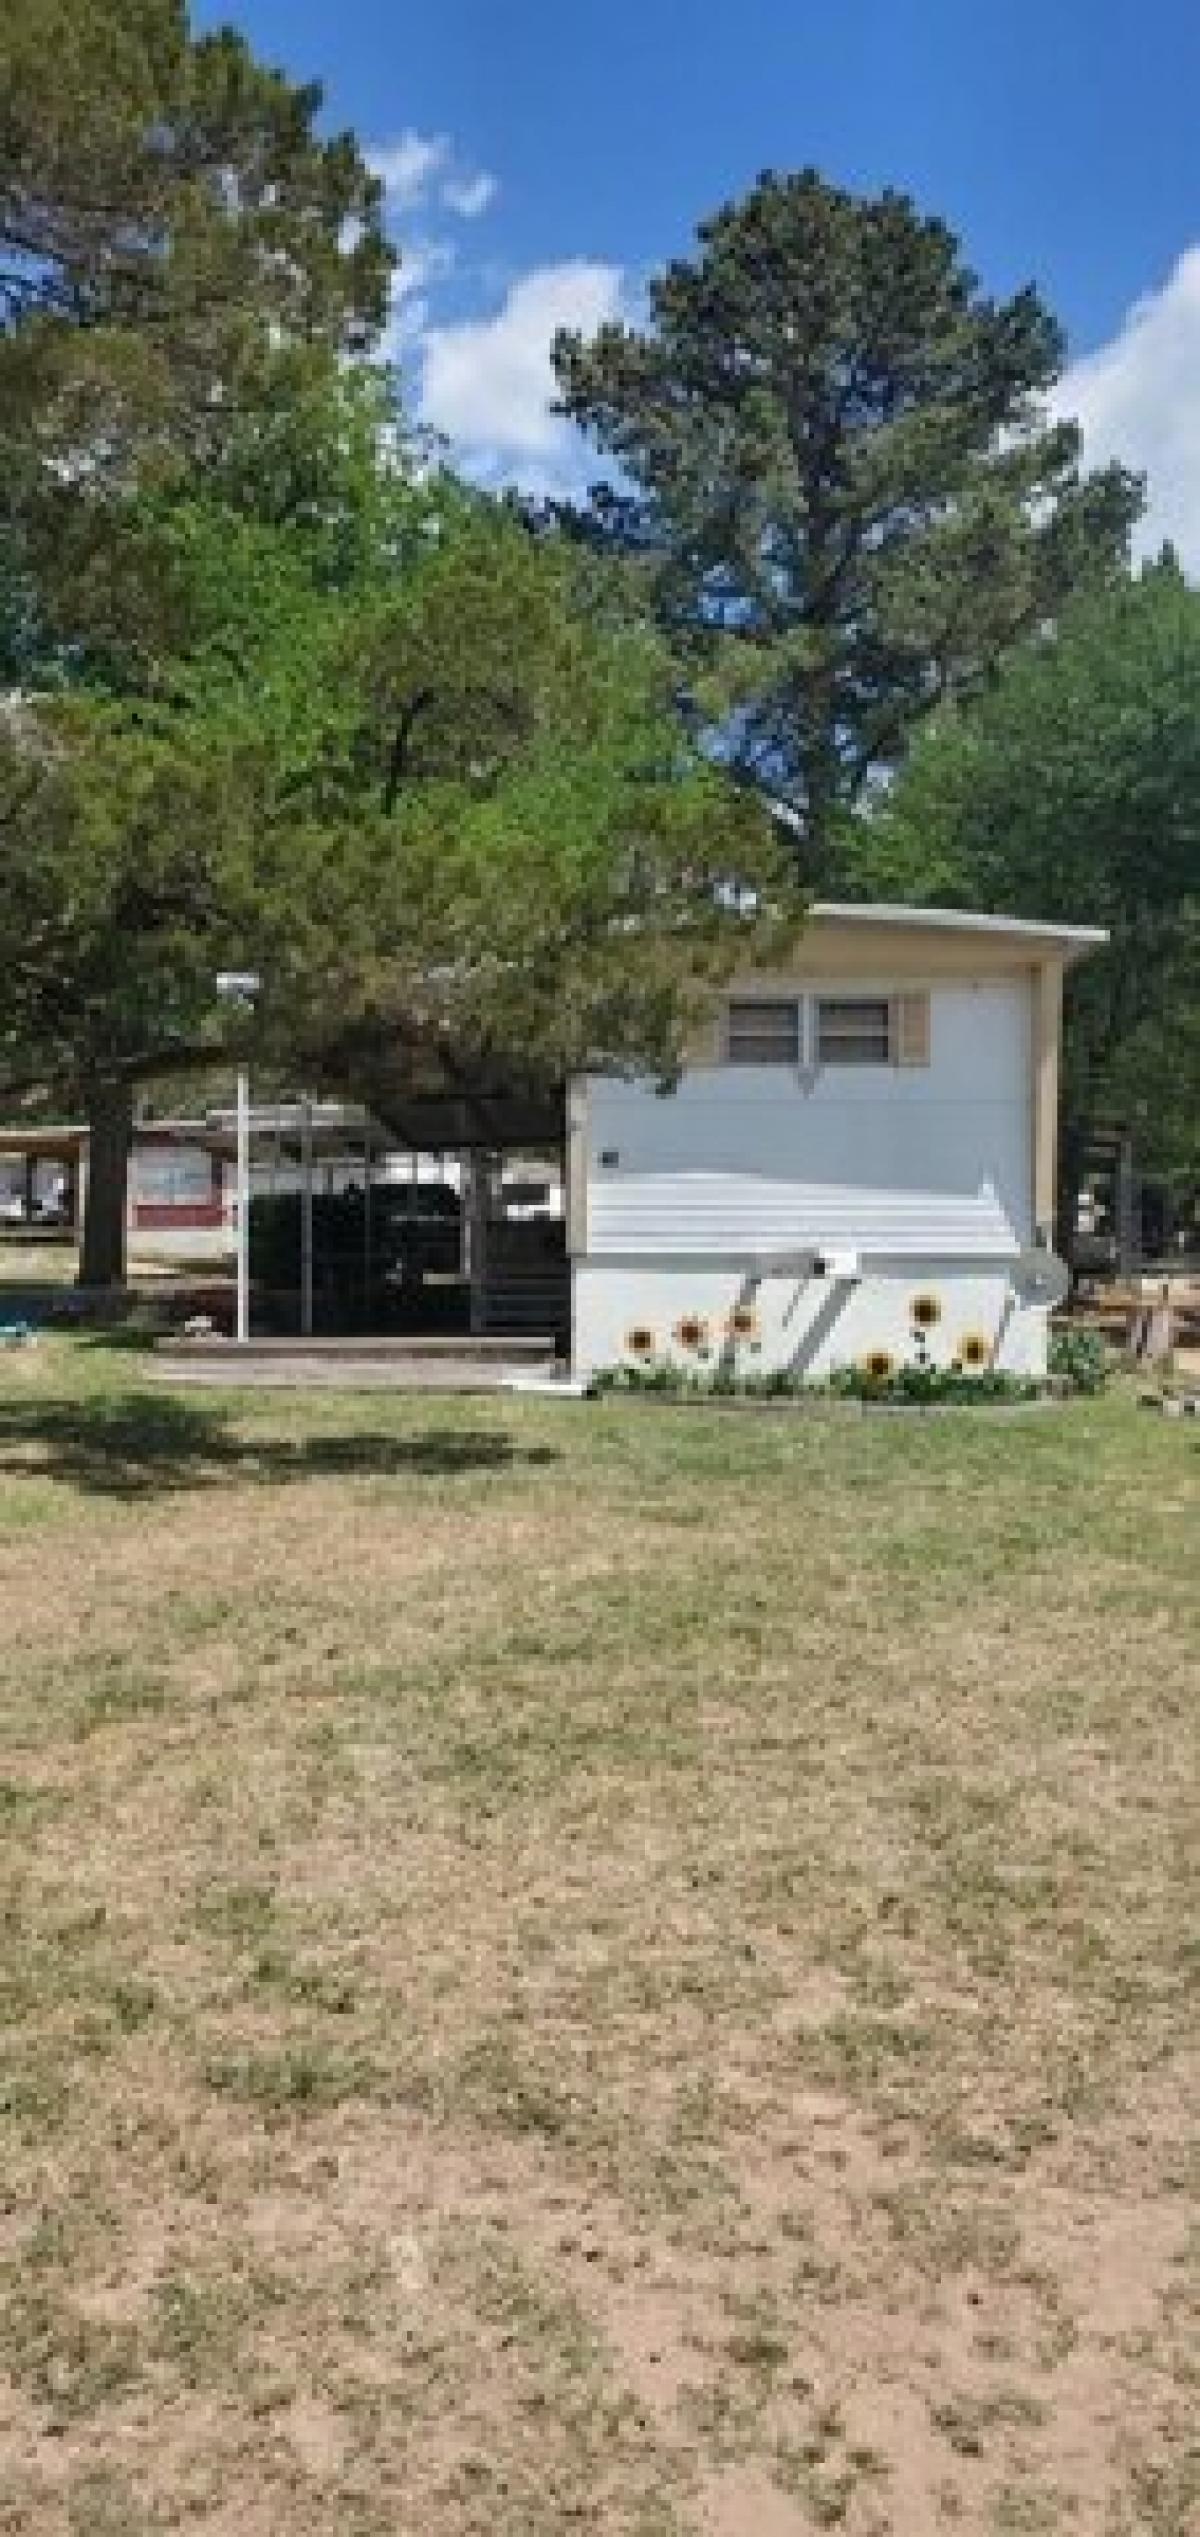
<point x="1072" y="940"/>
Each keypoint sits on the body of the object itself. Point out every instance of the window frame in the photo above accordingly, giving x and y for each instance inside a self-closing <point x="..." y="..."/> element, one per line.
<point x="853" y="1050"/>
<point x="772" y="1004"/>
<point x="908" y="1012"/>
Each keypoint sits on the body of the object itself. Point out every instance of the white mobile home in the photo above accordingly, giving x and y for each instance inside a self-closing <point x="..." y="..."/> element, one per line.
<point x="857" y="1161"/>
<point x="858" y="1150"/>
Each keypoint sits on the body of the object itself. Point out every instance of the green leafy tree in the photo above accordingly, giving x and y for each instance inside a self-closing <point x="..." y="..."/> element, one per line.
<point x="834" y="468"/>
<point x="184" y="262"/>
<point x="1072" y="790"/>
<point x="443" y="812"/>
<point x="175" y="235"/>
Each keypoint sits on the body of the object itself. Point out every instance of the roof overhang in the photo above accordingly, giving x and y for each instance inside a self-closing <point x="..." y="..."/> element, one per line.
<point x="60" y="1143"/>
<point x="1021" y="937"/>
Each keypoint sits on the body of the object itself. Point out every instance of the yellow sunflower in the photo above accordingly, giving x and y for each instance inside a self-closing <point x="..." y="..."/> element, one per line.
<point x="878" y="1365"/>
<point x="742" y="1322"/>
<point x="975" y="1351"/>
<point x="692" y="1331"/>
<point x="639" y="1342"/>
<point x="926" y="1312"/>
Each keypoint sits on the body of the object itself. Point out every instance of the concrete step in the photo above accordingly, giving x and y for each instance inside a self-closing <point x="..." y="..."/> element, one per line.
<point x="530" y="1348"/>
<point x="231" y="1370"/>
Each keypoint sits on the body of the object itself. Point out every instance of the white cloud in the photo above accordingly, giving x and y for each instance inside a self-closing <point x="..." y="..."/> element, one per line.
<point x="422" y="261"/>
<point x="488" y="386"/>
<point x="416" y="165"/>
<point x="469" y="196"/>
<point x="423" y="177"/>
<point x="1138" y="399"/>
<point x="407" y="167"/>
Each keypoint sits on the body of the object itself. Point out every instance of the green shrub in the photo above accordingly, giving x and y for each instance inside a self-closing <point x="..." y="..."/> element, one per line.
<point x="921" y="1384"/>
<point x="1079" y="1359"/>
<point x="912" y="1383"/>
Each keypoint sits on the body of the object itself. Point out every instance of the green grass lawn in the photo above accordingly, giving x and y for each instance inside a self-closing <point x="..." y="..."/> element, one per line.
<point x="592" y="1967"/>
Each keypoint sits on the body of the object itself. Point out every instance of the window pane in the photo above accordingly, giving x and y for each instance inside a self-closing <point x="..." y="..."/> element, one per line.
<point x="172" y="1175"/>
<point x="763" y="1034"/>
<point x="854" y="1031"/>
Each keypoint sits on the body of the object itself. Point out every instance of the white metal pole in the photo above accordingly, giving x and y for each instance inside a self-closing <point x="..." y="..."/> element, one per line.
<point x="367" y="1253"/>
<point x="306" y="1217"/>
<point x="243" y="1206"/>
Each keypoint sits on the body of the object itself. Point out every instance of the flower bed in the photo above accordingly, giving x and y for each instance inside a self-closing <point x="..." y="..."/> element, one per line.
<point x="721" y="1363"/>
<point x="853" y="1387"/>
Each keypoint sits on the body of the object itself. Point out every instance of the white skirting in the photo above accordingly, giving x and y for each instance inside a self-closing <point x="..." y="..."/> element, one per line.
<point x="703" y="1313"/>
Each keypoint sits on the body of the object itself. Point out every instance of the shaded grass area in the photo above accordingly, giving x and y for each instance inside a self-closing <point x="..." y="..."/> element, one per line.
<point x="111" y="1446"/>
<point x="574" y="1967"/>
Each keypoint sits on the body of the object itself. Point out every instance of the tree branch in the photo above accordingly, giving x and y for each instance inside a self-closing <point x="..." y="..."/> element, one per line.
<point x="397" y="767"/>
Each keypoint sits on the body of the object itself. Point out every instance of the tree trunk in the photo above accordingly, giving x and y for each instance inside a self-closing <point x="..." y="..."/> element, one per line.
<point x="110" y="1135"/>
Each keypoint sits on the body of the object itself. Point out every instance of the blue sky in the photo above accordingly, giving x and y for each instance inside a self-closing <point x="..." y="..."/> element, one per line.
<point x="545" y="158"/>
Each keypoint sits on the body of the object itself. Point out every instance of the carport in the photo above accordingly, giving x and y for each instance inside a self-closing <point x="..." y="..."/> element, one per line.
<point x="465" y="1198"/>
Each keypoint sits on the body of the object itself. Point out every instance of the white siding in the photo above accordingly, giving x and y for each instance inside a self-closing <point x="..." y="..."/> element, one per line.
<point x="896" y="1161"/>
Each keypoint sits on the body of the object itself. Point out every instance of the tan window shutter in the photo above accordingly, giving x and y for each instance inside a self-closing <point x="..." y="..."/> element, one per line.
<point x="912" y="1029"/>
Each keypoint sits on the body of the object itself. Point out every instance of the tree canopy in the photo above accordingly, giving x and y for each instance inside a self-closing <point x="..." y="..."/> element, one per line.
<point x="444" y="811"/>
<point x="184" y="260"/>
<point x="834" y="464"/>
<point x="173" y="231"/>
<point x="1072" y="790"/>
<point x="279" y="697"/>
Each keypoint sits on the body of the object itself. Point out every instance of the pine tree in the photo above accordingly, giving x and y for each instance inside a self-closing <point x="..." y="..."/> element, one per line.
<point x="835" y="469"/>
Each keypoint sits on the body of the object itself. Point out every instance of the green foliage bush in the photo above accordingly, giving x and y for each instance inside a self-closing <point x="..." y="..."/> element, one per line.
<point x="1079" y="1359"/>
<point x="919" y="1384"/>
<point x="909" y="1385"/>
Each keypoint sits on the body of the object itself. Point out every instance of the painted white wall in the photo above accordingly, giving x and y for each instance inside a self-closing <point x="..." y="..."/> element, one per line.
<point x="926" y="1171"/>
<point x="810" y="1326"/>
<point x="885" y="1158"/>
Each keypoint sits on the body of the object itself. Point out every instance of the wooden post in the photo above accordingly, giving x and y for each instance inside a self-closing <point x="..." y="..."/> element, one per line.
<point x="1152" y="1338"/>
<point x="1047" y="1036"/>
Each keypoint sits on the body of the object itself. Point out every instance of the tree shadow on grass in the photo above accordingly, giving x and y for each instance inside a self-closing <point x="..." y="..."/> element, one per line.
<point x="145" y="1448"/>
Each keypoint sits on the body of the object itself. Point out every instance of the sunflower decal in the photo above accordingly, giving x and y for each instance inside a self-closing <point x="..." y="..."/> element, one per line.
<point x="975" y="1351"/>
<point x="692" y="1332"/>
<point x="878" y="1365"/>
<point x="926" y="1312"/>
<point x="742" y="1322"/>
<point x="639" y="1342"/>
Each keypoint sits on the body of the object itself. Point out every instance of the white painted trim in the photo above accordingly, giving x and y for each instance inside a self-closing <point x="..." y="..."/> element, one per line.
<point x="577" y="1163"/>
<point x="776" y="1263"/>
<point x="955" y="920"/>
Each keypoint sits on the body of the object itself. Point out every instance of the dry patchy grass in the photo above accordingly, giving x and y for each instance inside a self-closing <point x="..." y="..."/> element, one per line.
<point x="601" y="1968"/>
